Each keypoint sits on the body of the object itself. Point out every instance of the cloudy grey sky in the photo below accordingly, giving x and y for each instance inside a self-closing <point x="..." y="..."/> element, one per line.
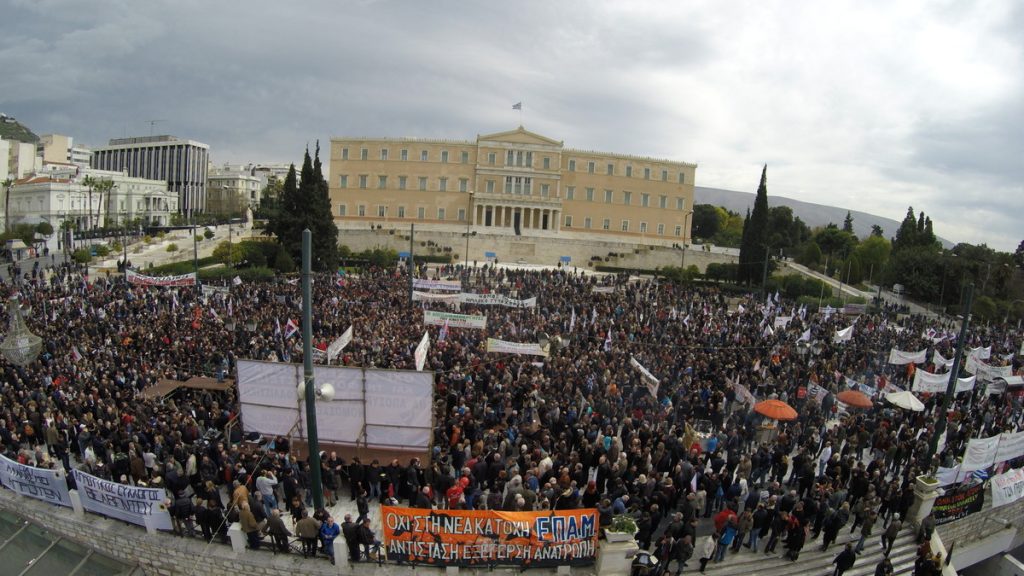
<point x="870" y="105"/>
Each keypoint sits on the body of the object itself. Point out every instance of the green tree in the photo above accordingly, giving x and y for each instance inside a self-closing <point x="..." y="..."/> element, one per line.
<point x="45" y="228"/>
<point x="755" y="235"/>
<point x="306" y="205"/>
<point x="906" y="234"/>
<point x="835" y="242"/>
<point x="1018" y="255"/>
<point x="919" y="269"/>
<point x="876" y="230"/>
<point x="848" y="223"/>
<point x="706" y="221"/>
<point x="810" y="255"/>
<point x="873" y="253"/>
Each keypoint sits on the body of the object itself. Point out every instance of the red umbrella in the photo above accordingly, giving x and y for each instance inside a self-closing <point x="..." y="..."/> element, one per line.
<point x="775" y="409"/>
<point x="854" y="398"/>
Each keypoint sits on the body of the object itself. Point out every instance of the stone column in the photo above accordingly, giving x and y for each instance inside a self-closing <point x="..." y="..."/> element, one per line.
<point x="924" y="499"/>
<point x="557" y="216"/>
<point x="534" y="211"/>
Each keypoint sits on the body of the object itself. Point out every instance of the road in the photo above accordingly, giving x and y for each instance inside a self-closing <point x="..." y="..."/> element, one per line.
<point x="26" y="264"/>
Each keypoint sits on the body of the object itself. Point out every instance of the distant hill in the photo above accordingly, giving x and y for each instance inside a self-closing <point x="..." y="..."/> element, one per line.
<point x="812" y="214"/>
<point x="11" y="129"/>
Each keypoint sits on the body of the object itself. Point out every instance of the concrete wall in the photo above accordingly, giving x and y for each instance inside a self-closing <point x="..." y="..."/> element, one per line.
<point x="985" y="534"/>
<point x="532" y="250"/>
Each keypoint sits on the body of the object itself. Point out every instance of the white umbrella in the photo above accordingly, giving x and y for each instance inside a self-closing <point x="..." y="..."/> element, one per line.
<point x="905" y="400"/>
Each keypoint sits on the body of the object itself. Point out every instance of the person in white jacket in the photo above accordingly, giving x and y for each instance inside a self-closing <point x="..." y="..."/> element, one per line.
<point x="707" y="552"/>
<point x="824" y="457"/>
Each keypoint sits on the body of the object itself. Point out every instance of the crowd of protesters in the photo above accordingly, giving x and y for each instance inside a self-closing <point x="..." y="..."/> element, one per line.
<point x="579" y="429"/>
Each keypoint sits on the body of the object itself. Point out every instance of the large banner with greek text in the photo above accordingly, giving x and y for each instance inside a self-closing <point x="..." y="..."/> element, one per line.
<point x="902" y="357"/>
<point x="124" y="502"/>
<point x="427" y="284"/>
<point x="959" y="503"/>
<point x="180" y="280"/>
<point x="435" y="318"/>
<point x="1008" y="487"/>
<point x="46" y="485"/>
<point x="506" y="347"/>
<point x="489" y="537"/>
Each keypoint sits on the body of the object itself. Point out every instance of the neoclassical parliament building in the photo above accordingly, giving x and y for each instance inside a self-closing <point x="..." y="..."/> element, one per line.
<point x="517" y="183"/>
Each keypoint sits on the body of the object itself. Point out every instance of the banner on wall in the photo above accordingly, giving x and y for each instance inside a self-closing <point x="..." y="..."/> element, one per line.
<point x="435" y="318"/>
<point x="1011" y="445"/>
<point x="180" y="280"/>
<point x="958" y="503"/>
<point x="489" y="537"/>
<point x="505" y="347"/>
<point x="129" y="503"/>
<point x="47" y="485"/>
<point x="901" y="357"/>
<point x="427" y="284"/>
<point x="980" y="453"/>
<point x="1007" y="487"/>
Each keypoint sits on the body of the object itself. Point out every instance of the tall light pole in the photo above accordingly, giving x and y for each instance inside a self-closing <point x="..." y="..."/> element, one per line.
<point x="195" y="247"/>
<point x="307" y="372"/>
<point x="954" y="372"/>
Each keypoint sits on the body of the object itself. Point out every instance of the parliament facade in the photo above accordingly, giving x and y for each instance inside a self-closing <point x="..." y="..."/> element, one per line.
<point x="516" y="182"/>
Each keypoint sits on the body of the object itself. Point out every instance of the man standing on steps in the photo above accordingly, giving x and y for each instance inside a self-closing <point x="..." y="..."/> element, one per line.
<point x="844" y="561"/>
<point x="890" y="534"/>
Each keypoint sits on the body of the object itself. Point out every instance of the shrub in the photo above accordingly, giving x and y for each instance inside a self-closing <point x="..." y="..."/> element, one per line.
<point x="81" y="256"/>
<point x="208" y="234"/>
<point x="147" y="239"/>
<point x="172" y="247"/>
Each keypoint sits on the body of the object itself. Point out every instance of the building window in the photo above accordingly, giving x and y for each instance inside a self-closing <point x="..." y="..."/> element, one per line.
<point x="508" y="184"/>
<point x="364" y="154"/>
<point x="625" y="225"/>
<point x="490" y="186"/>
<point x="529" y="159"/>
<point x="465" y="157"/>
<point x="679" y="230"/>
<point x="491" y="158"/>
<point x="401" y="211"/>
<point x="527" y="186"/>
<point x="572" y="165"/>
<point x="382" y="211"/>
<point x="444" y="156"/>
<point x="362" y="181"/>
<point x="462" y="214"/>
<point x="682" y="178"/>
<point x="405" y="154"/>
<point x="343" y="181"/>
<point x="643" y="227"/>
<point x="383" y="153"/>
<point x="440" y="213"/>
<point x="344" y="153"/>
<point x="590" y="194"/>
<point x="645" y="199"/>
<point x="382" y="182"/>
<point x="545" y="190"/>
<point x="606" y="224"/>
<point x="421" y="212"/>
<point x="568" y="221"/>
<point x="510" y="158"/>
<point x="342" y="210"/>
<point x="401" y="182"/>
<point x="590" y="167"/>
<point x="463" y="184"/>
<point x="663" y="202"/>
<point x="442" y="184"/>
<point x="611" y="169"/>
<point x="647" y="173"/>
<point x="627" y="198"/>
<point x="423" y="155"/>
<point x="547" y="163"/>
<point x="423" y="183"/>
<point x="629" y="171"/>
<point x="570" y="193"/>
<point x="664" y="175"/>
<point x="680" y="203"/>
<point x="586" y="222"/>
<point x="362" y="210"/>
<point x="609" y="196"/>
<point x="661" y="229"/>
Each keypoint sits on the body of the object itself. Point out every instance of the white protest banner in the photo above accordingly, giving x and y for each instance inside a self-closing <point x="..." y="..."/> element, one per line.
<point x="427" y="284"/>
<point x="782" y="321"/>
<point x="965" y="384"/>
<point x="980" y="353"/>
<point x="743" y="393"/>
<point x="947" y="476"/>
<point x="435" y="318"/>
<point x="844" y="335"/>
<point x="940" y="361"/>
<point x="984" y="371"/>
<point x="418" y="296"/>
<point x="1011" y="445"/>
<point x="901" y="357"/>
<point x="46" y="485"/>
<point x="505" y="347"/>
<point x="928" y="382"/>
<point x="649" y="380"/>
<point x="338" y="345"/>
<point x="421" y="351"/>
<point x="980" y="454"/>
<point x="1007" y="487"/>
<point x="129" y="503"/>
<point x="603" y="289"/>
<point x="496" y="300"/>
<point x="180" y="280"/>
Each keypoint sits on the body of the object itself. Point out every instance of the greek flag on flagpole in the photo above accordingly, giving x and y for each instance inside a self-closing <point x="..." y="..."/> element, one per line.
<point x="517" y="106"/>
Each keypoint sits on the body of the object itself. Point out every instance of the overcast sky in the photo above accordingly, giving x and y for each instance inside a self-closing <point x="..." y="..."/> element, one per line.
<point x="869" y="105"/>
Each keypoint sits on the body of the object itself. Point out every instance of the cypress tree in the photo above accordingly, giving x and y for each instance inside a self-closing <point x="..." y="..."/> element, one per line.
<point x="304" y="203"/>
<point x="755" y="234"/>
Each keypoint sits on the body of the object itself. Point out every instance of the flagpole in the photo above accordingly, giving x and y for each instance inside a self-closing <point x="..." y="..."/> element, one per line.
<point x="307" y="372"/>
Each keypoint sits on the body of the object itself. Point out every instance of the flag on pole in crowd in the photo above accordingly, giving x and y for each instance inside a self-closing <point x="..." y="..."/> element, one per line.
<point x="686" y="321"/>
<point x="443" y="334"/>
<point x="213" y="314"/>
<point x="231" y="307"/>
<point x="572" y="320"/>
<point x="608" y="340"/>
<point x="593" y="315"/>
<point x="277" y="327"/>
<point x="803" y="311"/>
<point x="844" y="335"/>
<point x="340" y="282"/>
<point x="805" y="337"/>
<point x="740" y="309"/>
<point x="777" y="297"/>
<point x="290" y="328"/>
<point x="237" y="281"/>
<point x="421" y="351"/>
<point x="293" y="281"/>
<point x="75" y="354"/>
<point x="767" y="332"/>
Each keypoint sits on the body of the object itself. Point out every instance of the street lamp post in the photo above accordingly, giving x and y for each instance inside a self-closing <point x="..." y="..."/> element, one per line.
<point x="307" y="373"/>
<point x="954" y="372"/>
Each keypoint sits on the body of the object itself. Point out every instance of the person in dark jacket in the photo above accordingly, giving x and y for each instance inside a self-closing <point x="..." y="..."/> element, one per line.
<point x="845" y="560"/>
<point x="350" y="530"/>
<point x="278" y="531"/>
<point x="796" y="535"/>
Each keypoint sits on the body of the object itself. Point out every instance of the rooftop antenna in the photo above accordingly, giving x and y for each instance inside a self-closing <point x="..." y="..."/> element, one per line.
<point x="153" y="123"/>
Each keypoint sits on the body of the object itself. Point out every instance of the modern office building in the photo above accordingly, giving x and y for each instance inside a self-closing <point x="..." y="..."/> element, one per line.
<point x="516" y="183"/>
<point x="180" y="163"/>
<point x="60" y="148"/>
